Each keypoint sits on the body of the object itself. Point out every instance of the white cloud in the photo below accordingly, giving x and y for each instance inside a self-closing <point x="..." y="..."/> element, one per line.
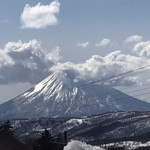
<point x="54" y="55"/>
<point x="103" y="43"/>
<point x="142" y="49"/>
<point x="77" y="145"/>
<point x="97" y="68"/>
<point x="133" y="39"/>
<point x="40" y="16"/>
<point x="25" y="62"/>
<point x="83" y="45"/>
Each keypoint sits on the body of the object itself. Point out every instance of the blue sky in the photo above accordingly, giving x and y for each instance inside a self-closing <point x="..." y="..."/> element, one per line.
<point x="79" y="21"/>
<point x="82" y="24"/>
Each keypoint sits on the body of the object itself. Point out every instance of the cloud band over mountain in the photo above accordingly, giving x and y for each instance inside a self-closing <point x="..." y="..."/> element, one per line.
<point x="28" y="62"/>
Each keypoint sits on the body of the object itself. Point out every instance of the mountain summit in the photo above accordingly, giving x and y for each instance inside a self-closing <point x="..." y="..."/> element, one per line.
<point x="59" y="95"/>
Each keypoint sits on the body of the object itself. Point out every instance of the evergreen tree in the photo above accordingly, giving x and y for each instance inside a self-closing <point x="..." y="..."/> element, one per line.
<point x="65" y="137"/>
<point x="7" y="138"/>
<point x="6" y="129"/>
<point x="59" y="138"/>
<point x="45" y="138"/>
<point x="46" y="142"/>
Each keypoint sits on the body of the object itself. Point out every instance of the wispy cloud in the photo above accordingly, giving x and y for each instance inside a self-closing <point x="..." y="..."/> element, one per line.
<point x="103" y="43"/>
<point x="40" y="16"/>
<point x="133" y="39"/>
<point x="83" y="45"/>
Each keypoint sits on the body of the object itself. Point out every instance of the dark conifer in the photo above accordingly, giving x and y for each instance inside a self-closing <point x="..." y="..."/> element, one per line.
<point x="65" y="137"/>
<point x="45" y="138"/>
<point x="7" y="139"/>
<point x="6" y="129"/>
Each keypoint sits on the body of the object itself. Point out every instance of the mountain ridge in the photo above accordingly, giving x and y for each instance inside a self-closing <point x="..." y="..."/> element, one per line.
<point x="103" y="127"/>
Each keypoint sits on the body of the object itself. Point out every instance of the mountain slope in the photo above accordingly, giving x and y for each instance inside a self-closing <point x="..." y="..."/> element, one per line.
<point x="60" y="96"/>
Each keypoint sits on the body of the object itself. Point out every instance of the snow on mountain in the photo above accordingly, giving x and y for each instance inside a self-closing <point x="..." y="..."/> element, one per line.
<point x="60" y="95"/>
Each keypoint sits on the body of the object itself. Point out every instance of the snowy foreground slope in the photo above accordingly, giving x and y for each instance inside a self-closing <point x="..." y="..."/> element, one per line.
<point x="129" y="145"/>
<point x="77" y="145"/>
<point x="60" y="95"/>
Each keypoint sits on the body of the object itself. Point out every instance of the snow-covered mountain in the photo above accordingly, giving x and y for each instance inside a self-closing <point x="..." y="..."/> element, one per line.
<point x="61" y="95"/>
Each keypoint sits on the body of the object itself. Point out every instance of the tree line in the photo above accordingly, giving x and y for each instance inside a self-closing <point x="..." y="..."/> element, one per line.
<point x="8" y="141"/>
